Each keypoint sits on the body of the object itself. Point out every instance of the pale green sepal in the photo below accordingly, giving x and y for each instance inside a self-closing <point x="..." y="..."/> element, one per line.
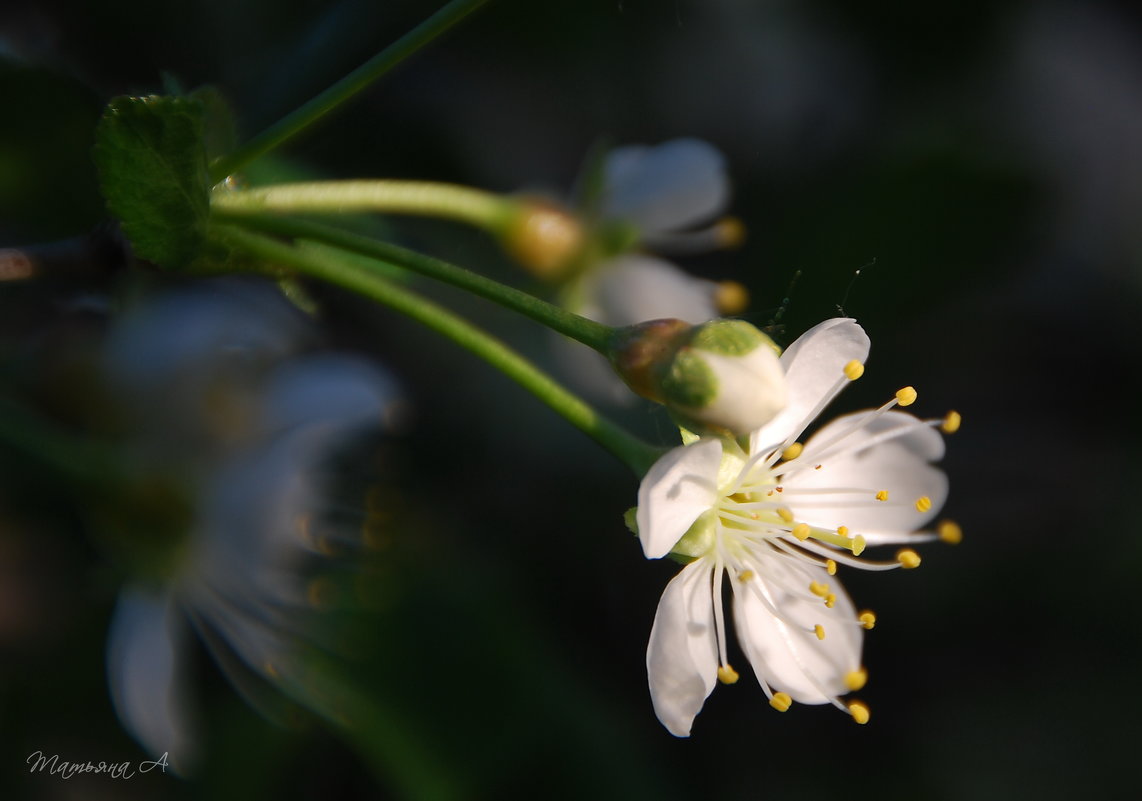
<point x="690" y="383"/>
<point x="688" y="436"/>
<point x="699" y="538"/>
<point x="630" y="519"/>
<point x="728" y="337"/>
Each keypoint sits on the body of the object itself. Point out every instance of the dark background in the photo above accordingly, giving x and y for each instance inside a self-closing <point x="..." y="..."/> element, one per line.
<point x="980" y="164"/>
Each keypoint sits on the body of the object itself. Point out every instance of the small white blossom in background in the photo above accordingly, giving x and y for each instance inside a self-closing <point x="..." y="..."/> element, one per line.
<point x="220" y="395"/>
<point x="666" y="193"/>
<point x="777" y="518"/>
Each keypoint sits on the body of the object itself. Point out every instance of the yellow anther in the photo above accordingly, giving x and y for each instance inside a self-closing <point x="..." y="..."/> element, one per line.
<point x="818" y="589"/>
<point x="882" y="495"/>
<point x="923" y="503"/>
<point x="859" y="711"/>
<point x="801" y="531"/>
<point x="906" y="396"/>
<point x="854" y="370"/>
<point x="785" y="513"/>
<point x="819" y="630"/>
<point x="730" y="232"/>
<point x="781" y="702"/>
<point x="855" y="679"/>
<point x="842" y="531"/>
<point x="950" y="532"/>
<point x="858" y="545"/>
<point x="730" y="298"/>
<point x="831" y="600"/>
<point x="831" y="567"/>
<point x="951" y="422"/>
<point x="908" y="558"/>
<point x="727" y="675"/>
<point x="792" y="452"/>
<point x="867" y="620"/>
<point x="745" y="575"/>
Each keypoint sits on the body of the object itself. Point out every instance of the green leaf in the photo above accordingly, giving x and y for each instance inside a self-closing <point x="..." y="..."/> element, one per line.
<point x="152" y="170"/>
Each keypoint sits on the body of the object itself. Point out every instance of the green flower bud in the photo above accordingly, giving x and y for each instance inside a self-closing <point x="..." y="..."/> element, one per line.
<point x="723" y="375"/>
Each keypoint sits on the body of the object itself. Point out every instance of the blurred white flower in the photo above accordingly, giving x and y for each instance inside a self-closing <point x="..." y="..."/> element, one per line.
<point x="220" y="395"/>
<point x="776" y="518"/>
<point x="665" y="193"/>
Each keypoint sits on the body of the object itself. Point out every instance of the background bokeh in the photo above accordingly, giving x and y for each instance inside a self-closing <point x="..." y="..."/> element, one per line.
<point x="979" y="164"/>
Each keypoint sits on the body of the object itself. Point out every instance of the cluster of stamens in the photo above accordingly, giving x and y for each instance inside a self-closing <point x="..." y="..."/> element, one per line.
<point x="755" y="519"/>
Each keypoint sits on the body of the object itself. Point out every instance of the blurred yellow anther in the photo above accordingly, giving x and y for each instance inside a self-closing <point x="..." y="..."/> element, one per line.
<point x="882" y="495"/>
<point x="792" y="452"/>
<point x="730" y="232"/>
<point x="950" y="532"/>
<point x="855" y="679"/>
<point x="923" y="503"/>
<point x="818" y="589"/>
<point x="745" y="575"/>
<point x="730" y="298"/>
<point x="906" y="396"/>
<point x="842" y="531"/>
<point x="859" y="712"/>
<point x="951" y="422"/>
<point x="727" y="675"/>
<point x="858" y="545"/>
<point x="543" y="238"/>
<point x="867" y="620"/>
<point x="854" y="370"/>
<point x="819" y="630"/>
<point x="831" y="567"/>
<point x="801" y="531"/>
<point x="831" y="600"/>
<point x="781" y="702"/>
<point x="785" y="514"/>
<point x="908" y="558"/>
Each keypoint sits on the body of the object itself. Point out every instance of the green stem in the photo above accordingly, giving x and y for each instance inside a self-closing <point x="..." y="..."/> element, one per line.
<point x="631" y="450"/>
<point x="448" y="201"/>
<point x="592" y="334"/>
<point x="345" y="89"/>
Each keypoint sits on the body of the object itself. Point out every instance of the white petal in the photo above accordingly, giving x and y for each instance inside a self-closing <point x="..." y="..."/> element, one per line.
<point x="143" y="647"/>
<point x="814" y="369"/>
<point x="786" y="654"/>
<point x="899" y="465"/>
<point x="674" y="185"/>
<point x="682" y="656"/>
<point x="751" y="390"/>
<point x="675" y="491"/>
<point x="634" y="288"/>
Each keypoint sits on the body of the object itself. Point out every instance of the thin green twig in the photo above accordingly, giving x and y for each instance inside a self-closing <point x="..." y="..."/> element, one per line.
<point x="590" y="333"/>
<point x="345" y="89"/>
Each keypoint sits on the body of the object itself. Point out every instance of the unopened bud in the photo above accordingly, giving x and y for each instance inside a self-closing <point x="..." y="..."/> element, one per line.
<point x="723" y="375"/>
<point x="543" y="238"/>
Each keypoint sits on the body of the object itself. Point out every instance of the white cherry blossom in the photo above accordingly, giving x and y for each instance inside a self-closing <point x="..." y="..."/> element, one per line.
<point x="776" y="518"/>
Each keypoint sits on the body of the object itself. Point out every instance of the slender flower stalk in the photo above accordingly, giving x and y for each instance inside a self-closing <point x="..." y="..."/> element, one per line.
<point x="592" y="334"/>
<point x="425" y="198"/>
<point x="345" y="89"/>
<point x="631" y="450"/>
